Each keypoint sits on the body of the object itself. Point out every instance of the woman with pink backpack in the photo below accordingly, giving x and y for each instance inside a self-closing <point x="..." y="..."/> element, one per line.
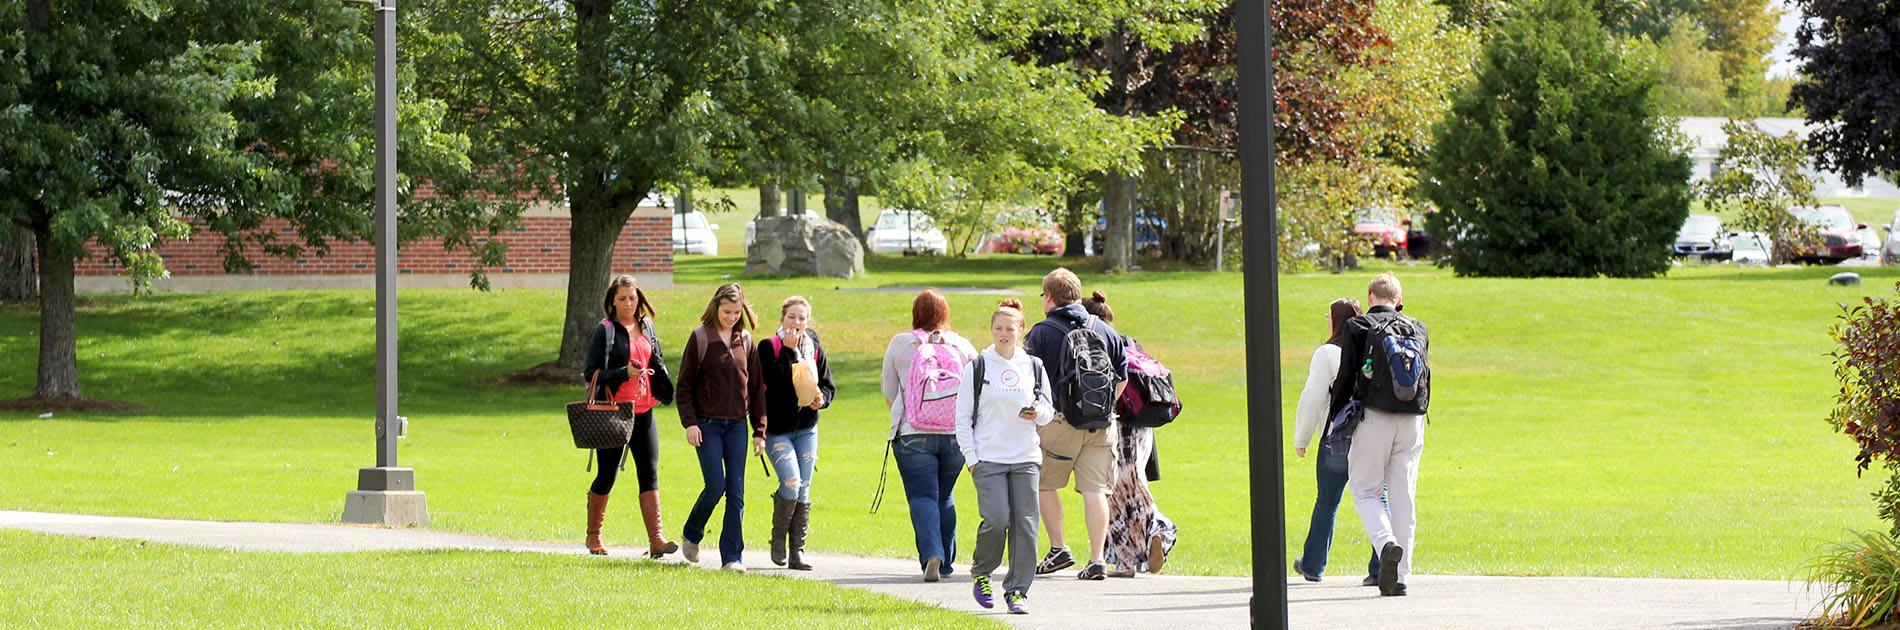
<point x="922" y="369"/>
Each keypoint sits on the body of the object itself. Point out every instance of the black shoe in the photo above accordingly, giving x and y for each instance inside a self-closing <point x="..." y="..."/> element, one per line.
<point x="1369" y="581"/>
<point x="1058" y="559"/>
<point x="1095" y="571"/>
<point x="1299" y="566"/>
<point x="1389" y="558"/>
<point x="1399" y="591"/>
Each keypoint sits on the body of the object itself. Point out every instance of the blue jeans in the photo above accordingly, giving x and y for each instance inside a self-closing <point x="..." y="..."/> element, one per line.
<point x="930" y="465"/>
<point x="793" y="455"/>
<point x="1331" y="471"/>
<point x="722" y="445"/>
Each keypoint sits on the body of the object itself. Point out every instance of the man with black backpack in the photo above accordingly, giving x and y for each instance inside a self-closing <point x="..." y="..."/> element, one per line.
<point x="1382" y="365"/>
<point x="1084" y="357"/>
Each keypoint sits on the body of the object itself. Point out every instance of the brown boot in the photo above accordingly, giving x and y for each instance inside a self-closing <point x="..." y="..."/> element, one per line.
<point x="781" y="523"/>
<point x="657" y="544"/>
<point x="801" y="523"/>
<point x="596" y="512"/>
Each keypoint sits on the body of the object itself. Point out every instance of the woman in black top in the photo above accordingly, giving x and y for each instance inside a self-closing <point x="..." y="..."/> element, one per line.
<point x="628" y="367"/>
<point x="791" y="428"/>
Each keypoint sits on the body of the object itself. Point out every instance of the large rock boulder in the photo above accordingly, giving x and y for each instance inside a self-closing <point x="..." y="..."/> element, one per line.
<point x="804" y="246"/>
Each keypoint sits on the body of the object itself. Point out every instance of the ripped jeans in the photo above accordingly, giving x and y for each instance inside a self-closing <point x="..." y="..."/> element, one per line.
<point x="793" y="455"/>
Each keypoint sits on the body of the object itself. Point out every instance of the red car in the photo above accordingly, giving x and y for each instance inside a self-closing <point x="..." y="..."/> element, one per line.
<point x="1841" y="234"/>
<point x="1022" y="231"/>
<point x="1387" y="238"/>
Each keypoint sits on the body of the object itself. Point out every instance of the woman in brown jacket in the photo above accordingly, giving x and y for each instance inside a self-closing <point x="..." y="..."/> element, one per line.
<point x="719" y="389"/>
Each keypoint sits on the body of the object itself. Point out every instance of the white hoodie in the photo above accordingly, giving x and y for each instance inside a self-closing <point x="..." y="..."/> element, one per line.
<point x="996" y="432"/>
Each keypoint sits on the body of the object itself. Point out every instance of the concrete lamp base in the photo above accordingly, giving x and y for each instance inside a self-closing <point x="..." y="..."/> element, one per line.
<point x="387" y="497"/>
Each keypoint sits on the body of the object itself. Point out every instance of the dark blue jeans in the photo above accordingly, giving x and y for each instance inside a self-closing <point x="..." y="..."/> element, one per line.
<point x="930" y="465"/>
<point x="722" y="445"/>
<point x="1331" y="471"/>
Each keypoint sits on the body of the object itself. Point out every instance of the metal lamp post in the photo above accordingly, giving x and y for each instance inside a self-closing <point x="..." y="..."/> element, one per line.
<point x="1258" y="229"/>
<point x="386" y="494"/>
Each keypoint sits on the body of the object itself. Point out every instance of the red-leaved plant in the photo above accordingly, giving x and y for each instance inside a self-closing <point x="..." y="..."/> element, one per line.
<point x="1867" y="363"/>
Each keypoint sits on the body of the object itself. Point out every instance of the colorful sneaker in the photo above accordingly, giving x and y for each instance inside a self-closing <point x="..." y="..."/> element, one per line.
<point x="1095" y="571"/>
<point x="933" y="569"/>
<point x="1018" y="603"/>
<point x="1058" y="559"/>
<point x="982" y="592"/>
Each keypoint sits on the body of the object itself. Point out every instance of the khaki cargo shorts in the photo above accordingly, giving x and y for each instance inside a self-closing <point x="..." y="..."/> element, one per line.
<point x="1089" y="454"/>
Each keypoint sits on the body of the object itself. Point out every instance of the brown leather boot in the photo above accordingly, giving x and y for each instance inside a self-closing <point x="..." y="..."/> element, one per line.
<point x="801" y="523"/>
<point x="657" y="544"/>
<point x="781" y="523"/>
<point x="596" y="512"/>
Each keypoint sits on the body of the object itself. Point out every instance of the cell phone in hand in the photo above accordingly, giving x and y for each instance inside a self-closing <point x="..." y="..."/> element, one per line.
<point x="1028" y="410"/>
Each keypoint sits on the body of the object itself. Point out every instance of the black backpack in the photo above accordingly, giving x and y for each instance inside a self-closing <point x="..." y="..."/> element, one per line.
<point x="1088" y="378"/>
<point x="1397" y="378"/>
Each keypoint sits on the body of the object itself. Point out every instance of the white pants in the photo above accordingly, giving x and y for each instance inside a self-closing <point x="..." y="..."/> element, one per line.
<point x="1384" y="460"/>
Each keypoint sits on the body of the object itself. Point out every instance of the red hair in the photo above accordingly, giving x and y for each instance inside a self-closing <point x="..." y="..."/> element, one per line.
<point x="930" y="311"/>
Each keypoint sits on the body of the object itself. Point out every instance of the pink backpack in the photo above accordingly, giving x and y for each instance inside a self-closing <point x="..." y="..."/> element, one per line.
<point x="930" y="394"/>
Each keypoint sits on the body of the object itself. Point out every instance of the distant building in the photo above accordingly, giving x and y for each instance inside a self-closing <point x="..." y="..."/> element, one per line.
<point x="1706" y="140"/>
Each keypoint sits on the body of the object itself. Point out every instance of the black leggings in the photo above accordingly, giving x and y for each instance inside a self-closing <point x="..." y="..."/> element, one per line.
<point x="646" y="458"/>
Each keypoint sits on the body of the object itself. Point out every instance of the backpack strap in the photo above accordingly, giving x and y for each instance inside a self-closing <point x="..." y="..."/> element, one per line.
<point x="976" y="387"/>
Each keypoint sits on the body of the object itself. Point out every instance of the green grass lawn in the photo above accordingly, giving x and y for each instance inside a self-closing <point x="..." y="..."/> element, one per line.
<point x="1667" y="427"/>
<point x="61" y="582"/>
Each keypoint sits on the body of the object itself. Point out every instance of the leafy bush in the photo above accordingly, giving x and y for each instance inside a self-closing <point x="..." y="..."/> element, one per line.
<point x="1863" y="576"/>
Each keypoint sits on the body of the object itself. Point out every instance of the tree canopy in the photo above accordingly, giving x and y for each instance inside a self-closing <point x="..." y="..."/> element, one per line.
<point x="1849" y="85"/>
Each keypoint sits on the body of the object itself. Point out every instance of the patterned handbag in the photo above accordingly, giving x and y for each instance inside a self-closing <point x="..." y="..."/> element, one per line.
<point x="600" y="424"/>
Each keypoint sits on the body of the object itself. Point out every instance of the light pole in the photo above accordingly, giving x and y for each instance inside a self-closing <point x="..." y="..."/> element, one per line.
<point x="386" y="494"/>
<point x="1267" y="488"/>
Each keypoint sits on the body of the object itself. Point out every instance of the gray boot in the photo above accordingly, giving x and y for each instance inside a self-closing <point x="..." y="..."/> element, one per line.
<point x="801" y="523"/>
<point x="781" y="522"/>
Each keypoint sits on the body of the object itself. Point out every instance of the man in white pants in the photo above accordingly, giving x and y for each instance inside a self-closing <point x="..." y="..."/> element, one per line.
<point x="1387" y="445"/>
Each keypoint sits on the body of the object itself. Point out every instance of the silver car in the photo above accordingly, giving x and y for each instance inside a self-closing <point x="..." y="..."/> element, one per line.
<point x="1703" y="235"/>
<point x="1890" y="255"/>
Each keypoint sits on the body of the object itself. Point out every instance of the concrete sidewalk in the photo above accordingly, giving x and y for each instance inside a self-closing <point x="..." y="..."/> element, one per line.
<point x="1060" y="602"/>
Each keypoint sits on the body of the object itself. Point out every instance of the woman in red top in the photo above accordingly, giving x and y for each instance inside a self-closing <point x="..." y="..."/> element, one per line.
<point x="627" y="366"/>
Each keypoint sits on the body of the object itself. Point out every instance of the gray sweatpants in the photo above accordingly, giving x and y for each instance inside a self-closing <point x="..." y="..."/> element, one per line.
<point x="1006" y="499"/>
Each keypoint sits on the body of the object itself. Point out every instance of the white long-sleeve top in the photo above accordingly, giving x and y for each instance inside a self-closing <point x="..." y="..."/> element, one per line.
<point x="896" y="373"/>
<point x="996" y="432"/>
<point x="1316" y="397"/>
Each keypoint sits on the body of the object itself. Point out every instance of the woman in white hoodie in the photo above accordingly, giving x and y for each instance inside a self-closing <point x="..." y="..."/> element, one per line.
<point x="1003" y="398"/>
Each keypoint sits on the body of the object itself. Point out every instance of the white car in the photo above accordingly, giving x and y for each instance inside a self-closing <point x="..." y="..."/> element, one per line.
<point x="693" y="234"/>
<point x="1890" y="255"/>
<point x="1750" y="248"/>
<point x="1871" y="247"/>
<point x="902" y="231"/>
<point x="752" y="227"/>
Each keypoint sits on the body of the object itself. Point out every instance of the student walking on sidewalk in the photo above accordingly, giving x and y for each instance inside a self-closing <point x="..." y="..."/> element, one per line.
<point x="1382" y="364"/>
<point x="1000" y="404"/>
<point x="720" y="389"/>
<point x="624" y="355"/>
<point x="1139" y="535"/>
<point x="922" y="368"/>
<point x="797" y="385"/>
<point x="1084" y="356"/>
<point x="1329" y="467"/>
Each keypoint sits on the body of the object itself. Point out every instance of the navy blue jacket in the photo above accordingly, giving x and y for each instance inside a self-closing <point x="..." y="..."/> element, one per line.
<point x="1045" y="341"/>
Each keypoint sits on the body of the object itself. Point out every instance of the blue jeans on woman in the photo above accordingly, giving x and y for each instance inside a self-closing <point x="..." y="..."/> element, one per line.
<point x="1331" y="471"/>
<point x="930" y="464"/>
<point x="721" y="450"/>
<point x="794" y="455"/>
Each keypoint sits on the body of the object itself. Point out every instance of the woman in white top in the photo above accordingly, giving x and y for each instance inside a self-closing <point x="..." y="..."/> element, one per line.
<point x="926" y="447"/>
<point x="1315" y="410"/>
<point x="996" y="431"/>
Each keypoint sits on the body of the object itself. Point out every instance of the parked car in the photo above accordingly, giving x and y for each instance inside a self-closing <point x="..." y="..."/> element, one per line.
<point x="906" y="231"/>
<point x="1870" y="242"/>
<point x="1022" y="231"/>
<point x="1838" y="229"/>
<point x="693" y="234"/>
<point x="1148" y="231"/>
<point x="1890" y="254"/>
<point x="752" y="226"/>
<point x="1388" y="234"/>
<point x="1703" y="236"/>
<point x="1750" y="248"/>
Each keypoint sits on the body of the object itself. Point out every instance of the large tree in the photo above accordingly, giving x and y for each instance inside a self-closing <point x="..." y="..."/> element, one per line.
<point x="1849" y="85"/>
<point x="1740" y="33"/>
<point x="126" y="123"/>
<point x="1552" y="163"/>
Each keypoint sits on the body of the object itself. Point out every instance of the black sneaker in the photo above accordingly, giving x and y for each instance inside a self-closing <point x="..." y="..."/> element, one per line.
<point x="1399" y="591"/>
<point x="1389" y="557"/>
<point x="1095" y="571"/>
<point x="1058" y="559"/>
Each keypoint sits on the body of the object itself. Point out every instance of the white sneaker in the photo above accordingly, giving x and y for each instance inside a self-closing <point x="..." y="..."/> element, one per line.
<point x="689" y="550"/>
<point x="734" y="567"/>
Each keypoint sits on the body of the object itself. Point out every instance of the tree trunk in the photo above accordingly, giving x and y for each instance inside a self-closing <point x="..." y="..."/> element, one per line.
<point x="769" y="202"/>
<point x="17" y="277"/>
<point x="591" y="238"/>
<point x="1074" y="228"/>
<point x="59" y="353"/>
<point x="841" y="202"/>
<point x="1118" y="239"/>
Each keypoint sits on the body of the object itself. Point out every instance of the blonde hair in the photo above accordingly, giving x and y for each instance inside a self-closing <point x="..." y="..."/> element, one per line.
<point x="796" y="300"/>
<point x="1062" y="287"/>
<point x="1385" y="286"/>
<point x="1012" y="308"/>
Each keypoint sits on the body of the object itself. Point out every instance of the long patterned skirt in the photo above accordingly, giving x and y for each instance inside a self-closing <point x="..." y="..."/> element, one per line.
<point x="1136" y="528"/>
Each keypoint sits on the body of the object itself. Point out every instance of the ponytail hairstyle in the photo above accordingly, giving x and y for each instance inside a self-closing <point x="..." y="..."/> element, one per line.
<point x="1097" y="305"/>
<point x="729" y="292"/>
<point x="643" y="309"/>
<point x="1011" y="308"/>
